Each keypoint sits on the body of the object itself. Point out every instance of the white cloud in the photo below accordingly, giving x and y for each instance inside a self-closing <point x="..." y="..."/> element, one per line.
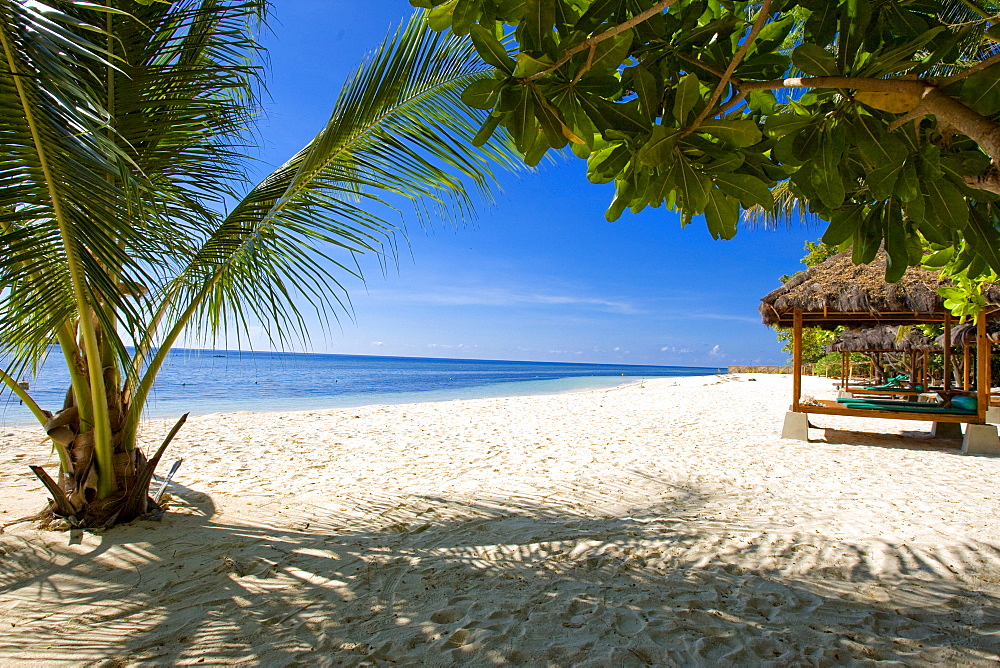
<point x="671" y="349"/>
<point x="616" y="348"/>
<point x="377" y="343"/>
<point x="503" y="297"/>
<point x="716" y="351"/>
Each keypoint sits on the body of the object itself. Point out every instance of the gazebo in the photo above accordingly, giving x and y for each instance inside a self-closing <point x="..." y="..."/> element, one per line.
<point x="964" y="336"/>
<point x="839" y="293"/>
<point x="884" y="339"/>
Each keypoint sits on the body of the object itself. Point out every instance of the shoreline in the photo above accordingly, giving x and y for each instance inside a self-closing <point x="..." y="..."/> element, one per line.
<point x="657" y="522"/>
<point x="161" y="412"/>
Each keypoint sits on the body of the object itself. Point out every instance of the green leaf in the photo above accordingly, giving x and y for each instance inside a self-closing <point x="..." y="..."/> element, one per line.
<point x="815" y="60"/>
<point x="618" y="116"/>
<point x="981" y="91"/>
<point x="551" y="124"/>
<point x="466" y="14"/>
<point x="490" y="49"/>
<point x="780" y="125"/>
<point x="983" y="237"/>
<point x="528" y="66"/>
<point x="605" y="165"/>
<point x="482" y="94"/>
<point x="521" y="123"/>
<point x="597" y="13"/>
<point x="896" y="249"/>
<point x="738" y="133"/>
<point x="621" y="201"/>
<point x="686" y="95"/>
<point x="746" y="188"/>
<point x="940" y="258"/>
<point x="693" y="186"/>
<point x="882" y="181"/>
<point x="722" y="213"/>
<point x="486" y="131"/>
<point x="657" y="148"/>
<point x="844" y="223"/>
<point x="536" y="24"/>
<point x="907" y="184"/>
<point x="947" y="203"/>
<point x="826" y="177"/>
<point x="729" y="161"/>
<point x="648" y="91"/>
<point x="610" y="53"/>
<point x="439" y="18"/>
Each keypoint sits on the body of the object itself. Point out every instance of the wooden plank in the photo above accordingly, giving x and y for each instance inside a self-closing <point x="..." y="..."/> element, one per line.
<point x="983" y="371"/>
<point x="947" y="352"/>
<point x="833" y="408"/>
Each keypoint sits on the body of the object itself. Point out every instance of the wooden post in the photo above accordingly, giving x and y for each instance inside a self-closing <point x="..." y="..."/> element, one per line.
<point x="947" y="351"/>
<point x="845" y="375"/>
<point x="967" y="364"/>
<point x="983" y="371"/>
<point x="797" y="359"/>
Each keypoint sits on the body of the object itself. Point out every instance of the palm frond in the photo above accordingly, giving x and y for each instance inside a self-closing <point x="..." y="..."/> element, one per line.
<point x="788" y="211"/>
<point x="62" y="180"/>
<point x="398" y="132"/>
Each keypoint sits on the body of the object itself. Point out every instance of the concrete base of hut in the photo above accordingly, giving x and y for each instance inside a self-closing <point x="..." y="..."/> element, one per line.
<point x="993" y="414"/>
<point x="796" y="426"/>
<point x="946" y="430"/>
<point x="981" y="439"/>
<point x="843" y="394"/>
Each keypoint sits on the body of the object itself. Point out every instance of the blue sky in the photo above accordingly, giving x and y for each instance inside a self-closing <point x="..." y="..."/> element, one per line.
<point x="540" y="275"/>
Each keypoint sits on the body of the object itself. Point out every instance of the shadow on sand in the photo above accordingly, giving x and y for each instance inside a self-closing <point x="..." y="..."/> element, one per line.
<point x="432" y="581"/>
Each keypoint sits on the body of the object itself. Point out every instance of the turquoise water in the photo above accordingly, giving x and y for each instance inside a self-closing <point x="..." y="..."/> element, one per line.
<point x="207" y="381"/>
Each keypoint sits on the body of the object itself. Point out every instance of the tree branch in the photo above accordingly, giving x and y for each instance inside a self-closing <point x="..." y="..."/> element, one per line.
<point x="697" y="63"/>
<point x="765" y="9"/>
<point x="995" y="58"/>
<point x="988" y="182"/>
<point x="608" y="34"/>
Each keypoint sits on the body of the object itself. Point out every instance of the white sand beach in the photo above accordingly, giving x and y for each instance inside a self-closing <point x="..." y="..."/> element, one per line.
<point x="662" y="523"/>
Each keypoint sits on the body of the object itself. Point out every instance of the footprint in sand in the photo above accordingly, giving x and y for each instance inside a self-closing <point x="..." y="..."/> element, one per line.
<point x="447" y="616"/>
<point x="629" y="622"/>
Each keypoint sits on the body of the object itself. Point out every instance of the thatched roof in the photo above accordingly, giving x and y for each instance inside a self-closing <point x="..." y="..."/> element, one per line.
<point x="882" y="339"/>
<point x="966" y="333"/>
<point x="838" y="292"/>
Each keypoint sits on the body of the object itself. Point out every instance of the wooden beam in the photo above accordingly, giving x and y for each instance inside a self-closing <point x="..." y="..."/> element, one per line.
<point x="797" y="359"/>
<point x="947" y="352"/>
<point x="845" y="374"/>
<point x="967" y="366"/>
<point x="834" y="408"/>
<point x="983" y="371"/>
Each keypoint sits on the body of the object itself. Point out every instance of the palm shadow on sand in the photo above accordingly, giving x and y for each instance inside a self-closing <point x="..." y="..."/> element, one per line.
<point x="418" y="580"/>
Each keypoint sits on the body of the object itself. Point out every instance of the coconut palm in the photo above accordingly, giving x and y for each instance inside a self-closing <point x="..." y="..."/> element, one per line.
<point x="127" y="219"/>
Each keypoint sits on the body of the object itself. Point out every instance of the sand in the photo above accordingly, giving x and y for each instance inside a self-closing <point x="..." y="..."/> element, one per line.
<point x="662" y="523"/>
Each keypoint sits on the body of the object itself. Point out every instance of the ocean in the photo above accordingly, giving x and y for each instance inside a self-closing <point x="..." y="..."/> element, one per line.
<point x="217" y="381"/>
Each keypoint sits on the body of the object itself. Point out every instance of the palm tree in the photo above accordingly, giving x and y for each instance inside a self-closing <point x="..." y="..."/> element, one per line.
<point x="125" y="128"/>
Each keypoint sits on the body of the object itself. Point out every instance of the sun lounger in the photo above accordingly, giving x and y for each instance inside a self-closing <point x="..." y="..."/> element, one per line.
<point x="896" y="382"/>
<point x="910" y="407"/>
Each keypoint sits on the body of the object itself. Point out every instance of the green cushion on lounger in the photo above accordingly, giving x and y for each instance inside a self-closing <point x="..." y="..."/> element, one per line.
<point x="965" y="403"/>
<point x="906" y="407"/>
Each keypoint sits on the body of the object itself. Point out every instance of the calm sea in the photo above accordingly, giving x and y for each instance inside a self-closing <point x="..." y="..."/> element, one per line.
<point x="212" y="381"/>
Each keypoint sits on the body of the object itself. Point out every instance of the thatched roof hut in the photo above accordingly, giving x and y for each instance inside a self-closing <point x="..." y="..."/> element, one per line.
<point x="838" y="292"/>
<point x="882" y="339"/>
<point x="965" y="334"/>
